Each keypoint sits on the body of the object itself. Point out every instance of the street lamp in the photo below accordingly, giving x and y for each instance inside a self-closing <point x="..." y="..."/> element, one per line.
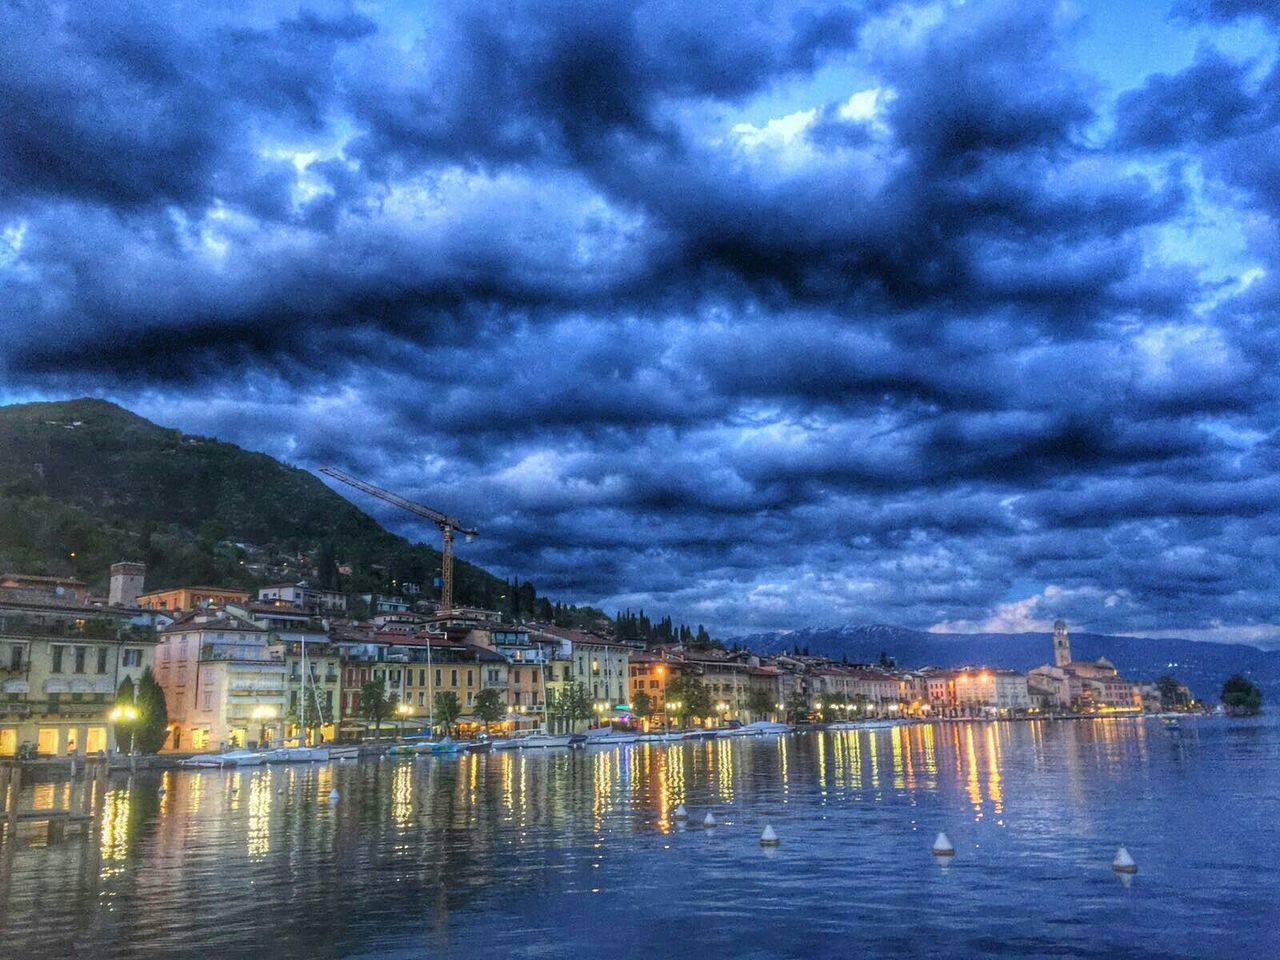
<point x="262" y="714"/>
<point x="126" y="714"/>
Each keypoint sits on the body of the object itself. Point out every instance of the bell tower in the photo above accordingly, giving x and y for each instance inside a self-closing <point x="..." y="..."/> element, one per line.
<point x="1061" y="644"/>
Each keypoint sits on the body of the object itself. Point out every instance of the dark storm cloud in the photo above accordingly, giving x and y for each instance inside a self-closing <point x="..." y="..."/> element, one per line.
<point x="805" y="311"/>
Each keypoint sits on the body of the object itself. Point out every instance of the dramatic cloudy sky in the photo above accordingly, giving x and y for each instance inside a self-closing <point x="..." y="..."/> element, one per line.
<point x="763" y="314"/>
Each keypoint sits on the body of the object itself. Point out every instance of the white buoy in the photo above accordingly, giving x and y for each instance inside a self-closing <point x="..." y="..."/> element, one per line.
<point x="333" y="795"/>
<point x="942" y="846"/>
<point x="1123" y="863"/>
<point x="768" y="838"/>
<point x="709" y="820"/>
<point x="681" y="813"/>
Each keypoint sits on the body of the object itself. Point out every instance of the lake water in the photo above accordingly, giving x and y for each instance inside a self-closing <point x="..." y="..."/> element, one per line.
<point x="576" y="854"/>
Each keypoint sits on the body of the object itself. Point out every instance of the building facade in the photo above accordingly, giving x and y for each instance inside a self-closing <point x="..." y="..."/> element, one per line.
<point x="60" y="666"/>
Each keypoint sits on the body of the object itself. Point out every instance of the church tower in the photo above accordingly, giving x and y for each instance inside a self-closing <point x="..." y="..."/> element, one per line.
<point x="1061" y="644"/>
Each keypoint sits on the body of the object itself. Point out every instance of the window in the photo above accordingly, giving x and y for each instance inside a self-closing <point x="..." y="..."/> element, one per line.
<point x="102" y="659"/>
<point x="653" y="684"/>
<point x="199" y="739"/>
<point x="438" y="675"/>
<point x="56" y="653"/>
<point x="15" y="657"/>
<point x="470" y="698"/>
<point x="422" y="678"/>
<point x="53" y="702"/>
<point x="132" y="657"/>
<point x="47" y="741"/>
<point x="470" y="681"/>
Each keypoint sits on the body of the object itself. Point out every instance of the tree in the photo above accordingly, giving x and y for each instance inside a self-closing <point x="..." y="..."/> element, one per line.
<point x="126" y="729"/>
<point x="375" y="705"/>
<point x="447" y="709"/>
<point x="572" y="704"/>
<point x="760" y="703"/>
<point x="641" y="704"/>
<point x="1170" y="692"/>
<point x="797" y="706"/>
<point x="489" y="707"/>
<point x="1241" y="696"/>
<point x="152" y="727"/>
<point x="693" y="696"/>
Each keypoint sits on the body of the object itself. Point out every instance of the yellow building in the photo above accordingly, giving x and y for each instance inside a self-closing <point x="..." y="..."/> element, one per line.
<point x="60" y="665"/>
<point x="191" y="598"/>
<point x="457" y="668"/>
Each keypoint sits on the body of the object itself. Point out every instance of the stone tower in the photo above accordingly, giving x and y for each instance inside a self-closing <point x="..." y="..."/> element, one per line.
<point x="1061" y="644"/>
<point x="126" y="583"/>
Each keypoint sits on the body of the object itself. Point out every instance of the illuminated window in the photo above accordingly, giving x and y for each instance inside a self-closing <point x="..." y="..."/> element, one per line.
<point x="47" y="741"/>
<point x="96" y="740"/>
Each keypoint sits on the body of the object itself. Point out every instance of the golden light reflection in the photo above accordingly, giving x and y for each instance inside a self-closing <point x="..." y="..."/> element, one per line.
<point x="784" y="766"/>
<point x="899" y="766"/>
<point x="114" y="845"/>
<point x="971" y="776"/>
<point x="402" y="794"/>
<point x="874" y="760"/>
<point x="822" y="766"/>
<point x="993" y="771"/>
<point x="724" y="769"/>
<point x="259" y="831"/>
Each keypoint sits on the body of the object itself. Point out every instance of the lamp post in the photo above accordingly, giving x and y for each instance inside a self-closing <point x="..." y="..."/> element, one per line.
<point x="126" y="714"/>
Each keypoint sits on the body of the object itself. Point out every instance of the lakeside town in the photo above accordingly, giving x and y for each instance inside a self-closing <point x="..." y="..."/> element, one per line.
<point x="288" y="665"/>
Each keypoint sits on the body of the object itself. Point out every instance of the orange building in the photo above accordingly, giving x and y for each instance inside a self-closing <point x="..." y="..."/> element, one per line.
<point x="191" y="598"/>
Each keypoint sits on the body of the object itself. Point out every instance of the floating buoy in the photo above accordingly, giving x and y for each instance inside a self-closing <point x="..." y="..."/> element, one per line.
<point x="333" y="795"/>
<point x="1123" y="863"/>
<point x="942" y="846"/>
<point x="709" y="820"/>
<point x="768" y="838"/>
<point x="681" y="813"/>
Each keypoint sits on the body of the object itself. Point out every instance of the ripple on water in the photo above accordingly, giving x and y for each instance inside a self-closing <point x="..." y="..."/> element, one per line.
<point x="558" y="854"/>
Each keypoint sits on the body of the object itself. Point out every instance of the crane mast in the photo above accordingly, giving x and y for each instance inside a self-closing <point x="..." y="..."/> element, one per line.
<point x="448" y="526"/>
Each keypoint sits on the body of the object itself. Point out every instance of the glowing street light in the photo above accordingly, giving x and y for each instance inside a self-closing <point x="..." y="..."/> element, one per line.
<point x="125" y="713"/>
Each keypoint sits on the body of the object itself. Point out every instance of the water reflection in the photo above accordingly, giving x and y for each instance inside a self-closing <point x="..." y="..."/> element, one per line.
<point x="411" y="842"/>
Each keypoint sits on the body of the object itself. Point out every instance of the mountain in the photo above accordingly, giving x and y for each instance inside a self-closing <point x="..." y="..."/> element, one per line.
<point x="84" y="483"/>
<point x="1202" y="666"/>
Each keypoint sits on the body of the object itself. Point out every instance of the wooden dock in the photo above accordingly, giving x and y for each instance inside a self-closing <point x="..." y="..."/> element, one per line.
<point x="90" y="806"/>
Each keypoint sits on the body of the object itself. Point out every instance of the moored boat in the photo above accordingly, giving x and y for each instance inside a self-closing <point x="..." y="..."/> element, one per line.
<point x="204" y="761"/>
<point x="299" y="755"/>
<point x="543" y="740"/>
<point x="243" y="758"/>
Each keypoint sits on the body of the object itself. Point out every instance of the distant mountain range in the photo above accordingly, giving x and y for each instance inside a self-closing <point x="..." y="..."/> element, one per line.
<point x="1201" y="665"/>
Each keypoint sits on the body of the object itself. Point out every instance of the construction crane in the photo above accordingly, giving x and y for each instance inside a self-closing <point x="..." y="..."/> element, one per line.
<point x="447" y="524"/>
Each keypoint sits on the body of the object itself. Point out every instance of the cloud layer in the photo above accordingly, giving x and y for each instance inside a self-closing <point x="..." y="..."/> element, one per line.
<point x="791" y="313"/>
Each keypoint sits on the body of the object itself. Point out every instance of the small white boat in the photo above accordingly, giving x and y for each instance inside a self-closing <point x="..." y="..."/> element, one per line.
<point x="611" y="739"/>
<point x="203" y="761"/>
<point x="543" y="740"/>
<point x="299" y="755"/>
<point x="729" y="732"/>
<point x="348" y="752"/>
<point x="510" y="743"/>
<point x="243" y="758"/>
<point x="763" y="727"/>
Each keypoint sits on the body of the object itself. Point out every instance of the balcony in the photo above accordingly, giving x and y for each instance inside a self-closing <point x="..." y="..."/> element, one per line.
<point x="214" y="652"/>
<point x="255" y="686"/>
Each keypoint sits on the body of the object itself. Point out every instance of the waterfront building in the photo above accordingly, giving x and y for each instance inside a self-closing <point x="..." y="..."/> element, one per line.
<point x="61" y="663"/>
<point x="991" y="692"/>
<point x="1081" y="685"/>
<point x="650" y="673"/>
<point x="224" y="682"/>
<point x="191" y="598"/>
